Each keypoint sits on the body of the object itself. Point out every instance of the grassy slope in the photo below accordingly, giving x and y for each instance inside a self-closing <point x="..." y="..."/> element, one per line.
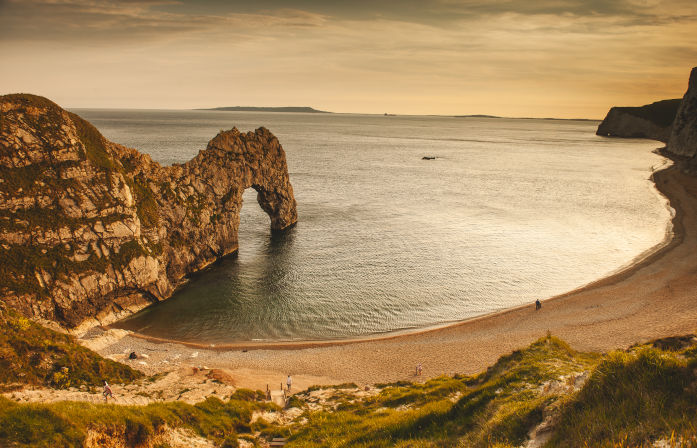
<point x="34" y="355"/>
<point x="631" y="398"/>
<point x="65" y="424"/>
<point x="497" y="406"/>
<point x="634" y="397"/>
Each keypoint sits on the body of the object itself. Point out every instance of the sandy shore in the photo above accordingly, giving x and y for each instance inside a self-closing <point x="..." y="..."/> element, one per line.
<point x="655" y="297"/>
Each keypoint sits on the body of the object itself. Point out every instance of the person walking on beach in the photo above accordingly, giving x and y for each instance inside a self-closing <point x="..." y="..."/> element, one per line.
<point x="289" y="382"/>
<point x="107" y="392"/>
<point x="538" y="304"/>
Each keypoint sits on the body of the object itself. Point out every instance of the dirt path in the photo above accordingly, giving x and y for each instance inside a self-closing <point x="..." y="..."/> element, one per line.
<point x="188" y="384"/>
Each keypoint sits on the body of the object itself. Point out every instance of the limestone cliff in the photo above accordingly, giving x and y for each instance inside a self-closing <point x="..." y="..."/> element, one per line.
<point x="92" y="229"/>
<point x="683" y="138"/>
<point x="652" y="121"/>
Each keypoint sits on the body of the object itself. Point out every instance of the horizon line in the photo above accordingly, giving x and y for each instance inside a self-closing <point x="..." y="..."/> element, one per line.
<point x="385" y="114"/>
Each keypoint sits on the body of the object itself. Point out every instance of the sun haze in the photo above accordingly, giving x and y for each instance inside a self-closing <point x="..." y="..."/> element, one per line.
<point x="548" y="58"/>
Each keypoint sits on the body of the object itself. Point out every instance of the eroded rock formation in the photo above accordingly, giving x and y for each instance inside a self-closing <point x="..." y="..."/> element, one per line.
<point x="683" y="139"/>
<point x="90" y="229"/>
<point x="652" y="121"/>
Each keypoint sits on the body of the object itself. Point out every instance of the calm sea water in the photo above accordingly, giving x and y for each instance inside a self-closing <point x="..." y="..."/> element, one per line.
<point x="510" y="211"/>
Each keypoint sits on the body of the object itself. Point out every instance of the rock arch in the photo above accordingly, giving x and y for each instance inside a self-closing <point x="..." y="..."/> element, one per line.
<point x="216" y="179"/>
<point x="105" y="230"/>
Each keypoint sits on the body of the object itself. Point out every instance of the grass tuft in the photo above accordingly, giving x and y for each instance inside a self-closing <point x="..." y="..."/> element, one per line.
<point x="633" y="397"/>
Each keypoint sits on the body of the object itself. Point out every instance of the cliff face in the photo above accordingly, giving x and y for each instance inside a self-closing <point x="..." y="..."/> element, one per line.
<point x="91" y="229"/>
<point x="651" y="121"/>
<point x="683" y="138"/>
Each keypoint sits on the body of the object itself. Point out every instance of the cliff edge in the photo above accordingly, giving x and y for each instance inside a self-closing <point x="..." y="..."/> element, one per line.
<point x="653" y="121"/>
<point x="683" y="138"/>
<point x="91" y="230"/>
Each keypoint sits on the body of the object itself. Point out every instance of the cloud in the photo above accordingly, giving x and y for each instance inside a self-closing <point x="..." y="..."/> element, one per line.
<point x="504" y="57"/>
<point x="110" y="21"/>
<point x="128" y="21"/>
<point x="79" y="16"/>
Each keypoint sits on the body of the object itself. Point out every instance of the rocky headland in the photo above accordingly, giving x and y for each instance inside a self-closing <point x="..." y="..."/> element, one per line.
<point x="91" y="231"/>
<point x="653" y="121"/>
<point x="673" y="122"/>
<point x="683" y="138"/>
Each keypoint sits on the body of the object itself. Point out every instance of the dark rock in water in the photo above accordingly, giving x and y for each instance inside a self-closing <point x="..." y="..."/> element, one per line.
<point x="428" y="158"/>
<point x="683" y="138"/>
<point x="91" y="230"/>
<point x="652" y="121"/>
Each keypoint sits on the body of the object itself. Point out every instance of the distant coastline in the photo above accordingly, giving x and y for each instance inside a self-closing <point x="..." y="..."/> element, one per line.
<point x="302" y="109"/>
<point x="521" y="118"/>
<point x="312" y="110"/>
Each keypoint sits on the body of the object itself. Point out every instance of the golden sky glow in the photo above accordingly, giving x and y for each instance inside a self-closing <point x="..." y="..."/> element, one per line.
<point x="547" y="58"/>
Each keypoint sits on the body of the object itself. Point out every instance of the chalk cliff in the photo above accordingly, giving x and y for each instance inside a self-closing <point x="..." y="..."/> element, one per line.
<point x="683" y="138"/>
<point x="653" y="121"/>
<point x="91" y="230"/>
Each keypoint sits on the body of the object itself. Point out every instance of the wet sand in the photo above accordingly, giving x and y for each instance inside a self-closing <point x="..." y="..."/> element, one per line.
<point x="655" y="297"/>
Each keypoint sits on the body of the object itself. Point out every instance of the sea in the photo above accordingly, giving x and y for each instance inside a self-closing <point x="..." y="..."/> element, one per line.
<point x="509" y="211"/>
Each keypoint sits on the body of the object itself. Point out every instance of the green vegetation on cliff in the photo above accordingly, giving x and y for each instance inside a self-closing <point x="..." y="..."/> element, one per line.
<point x="34" y="355"/>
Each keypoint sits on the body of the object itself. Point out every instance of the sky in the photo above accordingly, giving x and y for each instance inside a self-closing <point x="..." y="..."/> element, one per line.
<point x="518" y="58"/>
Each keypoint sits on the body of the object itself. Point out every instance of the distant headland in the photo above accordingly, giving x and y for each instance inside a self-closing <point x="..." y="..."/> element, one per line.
<point x="673" y="122"/>
<point x="522" y="118"/>
<point x="302" y="109"/>
<point x="653" y="121"/>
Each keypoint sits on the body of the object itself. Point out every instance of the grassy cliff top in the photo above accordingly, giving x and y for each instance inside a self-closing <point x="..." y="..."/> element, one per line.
<point x="28" y="99"/>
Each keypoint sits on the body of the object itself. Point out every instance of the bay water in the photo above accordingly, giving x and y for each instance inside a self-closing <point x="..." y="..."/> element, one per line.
<point x="509" y="211"/>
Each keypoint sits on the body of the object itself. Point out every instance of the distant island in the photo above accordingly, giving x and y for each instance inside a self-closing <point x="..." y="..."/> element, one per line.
<point x="309" y="110"/>
<point x="476" y="116"/>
